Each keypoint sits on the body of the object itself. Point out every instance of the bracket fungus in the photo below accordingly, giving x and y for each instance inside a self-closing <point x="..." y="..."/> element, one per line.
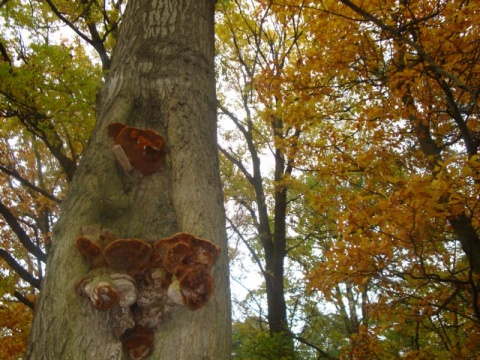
<point x="113" y="263"/>
<point x="189" y="260"/>
<point x="100" y="290"/>
<point x="140" y="285"/>
<point x="142" y="149"/>
<point x="108" y="290"/>
<point x="138" y="342"/>
<point x="126" y="289"/>
<point x="91" y="243"/>
<point x="129" y="256"/>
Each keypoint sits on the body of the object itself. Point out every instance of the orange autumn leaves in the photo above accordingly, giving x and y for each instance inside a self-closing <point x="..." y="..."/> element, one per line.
<point x="15" y="321"/>
<point x="386" y="95"/>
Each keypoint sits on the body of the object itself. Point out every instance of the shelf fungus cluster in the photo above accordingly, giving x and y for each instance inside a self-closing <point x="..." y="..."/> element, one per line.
<point x="140" y="149"/>
<point x="140" y="283"/>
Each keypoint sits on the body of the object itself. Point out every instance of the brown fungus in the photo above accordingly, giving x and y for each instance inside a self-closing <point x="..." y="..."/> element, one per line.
<point x="88" y="247"/>
<point x="145" y="149"/>
<point x="192" y="288"/>
<point x="100" y="290"/>
<point x="184" y="249"/>
<point x="129" y="256"/>
<point x="189" y="260"/>
<point x="91" y="242"/>
<point x="138" y="342"/>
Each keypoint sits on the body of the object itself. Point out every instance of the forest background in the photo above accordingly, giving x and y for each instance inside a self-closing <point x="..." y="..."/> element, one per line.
<point x="349" y="135"/>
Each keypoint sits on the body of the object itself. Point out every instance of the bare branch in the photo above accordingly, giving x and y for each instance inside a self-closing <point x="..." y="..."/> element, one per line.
<point x="28" y="184"/>
<point x="21" y="234"/>
<point x="249" y="247"/>
<point x="23" y="299"/>
<point x="15" y="266"/>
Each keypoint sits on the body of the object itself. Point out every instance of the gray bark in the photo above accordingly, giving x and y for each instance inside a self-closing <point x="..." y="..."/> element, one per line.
<point x="162" y="78"/>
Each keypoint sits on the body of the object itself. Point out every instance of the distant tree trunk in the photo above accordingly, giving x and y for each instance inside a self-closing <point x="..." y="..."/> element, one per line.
<point x="162" y="78"/>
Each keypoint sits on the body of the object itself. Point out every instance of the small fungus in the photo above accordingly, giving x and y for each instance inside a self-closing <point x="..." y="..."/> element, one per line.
<point x="138" y="342"/>
<point x="196" y="285"/>
<point x="100" y="290"/>
<point x="130" y="256"/>
<point x="103" y="295"/>
<point x="126" y="289"/>
<point x="88" y="247"/>
<point x="122" y="158"/>
<point x="91" y="243"/>
<point x="145" y="149"/>
<point x="189" y="260"/>
<point x="175" y="293"/>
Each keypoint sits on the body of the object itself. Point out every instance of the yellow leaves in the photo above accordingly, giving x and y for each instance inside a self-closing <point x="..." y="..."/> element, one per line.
<point x="387" y="120"/>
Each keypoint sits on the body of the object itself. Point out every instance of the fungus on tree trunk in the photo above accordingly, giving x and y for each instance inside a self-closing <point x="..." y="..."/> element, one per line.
<point x="189" y="260"/>
<point x="128" y="256"/>
<point x="113" y="263"/>
<point x="98" y="287"/>
<point x="91" y="242"/>
<point x="141" y="286"/>
<point x="144" y="149"/>
<point x="138" y="342"/>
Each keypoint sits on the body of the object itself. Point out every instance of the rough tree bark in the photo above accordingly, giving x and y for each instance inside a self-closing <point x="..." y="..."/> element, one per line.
<point x="162" y="78"/>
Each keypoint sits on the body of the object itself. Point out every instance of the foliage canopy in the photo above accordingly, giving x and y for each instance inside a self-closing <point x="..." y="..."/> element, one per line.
<point x="378" y="105"/>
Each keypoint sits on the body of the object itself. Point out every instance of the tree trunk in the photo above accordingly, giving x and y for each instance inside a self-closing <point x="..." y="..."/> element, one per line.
<point x="162" y="78"/>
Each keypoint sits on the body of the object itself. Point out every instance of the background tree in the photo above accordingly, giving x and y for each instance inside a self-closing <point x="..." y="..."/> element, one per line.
<point x="250" y="44"/>
<point x="161" y="78"/>
<point x="260" y="129"/>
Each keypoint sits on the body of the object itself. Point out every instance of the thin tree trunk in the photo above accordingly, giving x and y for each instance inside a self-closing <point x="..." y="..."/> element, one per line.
<point x="162" y="78"/>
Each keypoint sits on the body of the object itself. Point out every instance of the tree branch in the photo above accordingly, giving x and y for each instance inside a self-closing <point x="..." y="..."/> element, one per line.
<point x="97" y="42"/>
<point x="23" y="299"/>
<point x="37" y="124"/>
<point x="28" y="184"/>
<point x="15" y="266"/>
<point x="4" y="53"/>
<point x="249" y="247"/>
<point x="21" y="234"/>
<point x="237" y="163"/>
<point x="67" y="22"/>
<point x="397" y="34"/>
<point x="320" y="351"/>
